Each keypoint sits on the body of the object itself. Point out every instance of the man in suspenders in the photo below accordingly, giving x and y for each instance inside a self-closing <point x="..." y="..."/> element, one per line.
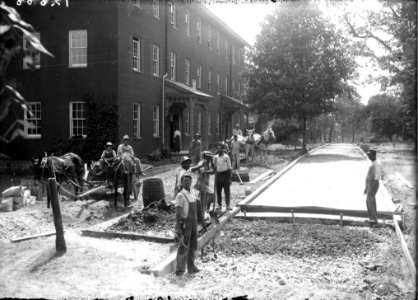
<point x="186" y="227"/>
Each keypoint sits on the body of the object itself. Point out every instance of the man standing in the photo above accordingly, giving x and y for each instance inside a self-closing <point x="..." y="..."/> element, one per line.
<point x="204" y="170"/>
<point x="177" y="140"/>
<point x="195" y="149"/>
<point x="237" y="130"/>
<point x="223" y="173"/>
<point x="186" y="227"/>
<point x="185" y="166"/>
<point x="372" y="185"/>
<point x="235" y="147"/>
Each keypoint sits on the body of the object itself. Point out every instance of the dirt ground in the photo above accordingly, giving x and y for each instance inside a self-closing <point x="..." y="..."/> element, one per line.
<point x="260" y="259"/>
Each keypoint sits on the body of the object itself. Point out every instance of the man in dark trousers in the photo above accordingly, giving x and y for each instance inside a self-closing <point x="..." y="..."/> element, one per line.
<point x="186" y="227"/>
<point x="372" y="185"/>
<point x="223" y="173"/>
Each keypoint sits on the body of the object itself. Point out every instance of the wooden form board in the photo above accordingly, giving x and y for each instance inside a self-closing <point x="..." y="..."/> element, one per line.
<point x="387" y="215"/>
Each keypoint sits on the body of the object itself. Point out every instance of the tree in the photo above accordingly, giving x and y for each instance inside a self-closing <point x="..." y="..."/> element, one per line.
<point x="349" y="115"/>
<point x="299" y="64"/>
<point x="394" y="28"/>
<point x="386" y="115"/>
<point x="12" y="105"/>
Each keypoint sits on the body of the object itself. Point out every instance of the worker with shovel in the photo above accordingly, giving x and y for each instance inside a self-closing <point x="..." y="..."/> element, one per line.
<point x="186" y="227"/>
<point x="223" y="173"/>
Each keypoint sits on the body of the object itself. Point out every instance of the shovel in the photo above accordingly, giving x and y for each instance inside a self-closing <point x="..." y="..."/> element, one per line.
<point x="239" y="177"/>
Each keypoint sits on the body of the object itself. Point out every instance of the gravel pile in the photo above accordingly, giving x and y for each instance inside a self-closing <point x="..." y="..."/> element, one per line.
<point x="158" y="217"/>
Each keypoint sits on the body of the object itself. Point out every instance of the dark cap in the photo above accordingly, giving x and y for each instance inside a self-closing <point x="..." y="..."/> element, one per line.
<point x="371" y="151"/>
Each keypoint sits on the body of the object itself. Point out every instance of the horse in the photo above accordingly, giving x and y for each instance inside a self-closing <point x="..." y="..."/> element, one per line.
<point x="66" y="168"/>
<point x="121" y="172"/>
<point x="262" y="141"/>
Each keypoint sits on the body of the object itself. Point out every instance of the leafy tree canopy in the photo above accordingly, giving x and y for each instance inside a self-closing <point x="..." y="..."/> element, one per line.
<point x="300" y="63"/>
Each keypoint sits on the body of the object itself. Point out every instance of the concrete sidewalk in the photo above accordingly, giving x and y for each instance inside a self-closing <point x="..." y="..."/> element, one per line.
<point x="333" y="176"/>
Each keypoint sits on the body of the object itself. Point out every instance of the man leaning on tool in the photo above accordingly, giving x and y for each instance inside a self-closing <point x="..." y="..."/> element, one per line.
<point x="186" y="227"/>
<point x="372" y="185"/>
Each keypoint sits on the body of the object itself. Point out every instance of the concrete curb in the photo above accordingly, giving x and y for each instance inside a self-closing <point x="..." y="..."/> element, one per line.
<point x="168" y="264"/>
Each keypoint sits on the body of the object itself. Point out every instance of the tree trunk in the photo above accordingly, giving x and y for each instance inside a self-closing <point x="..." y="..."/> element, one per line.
<point x="353" y="137"/>
<point x="60" y="241"/>
<point x="330" y="133"/>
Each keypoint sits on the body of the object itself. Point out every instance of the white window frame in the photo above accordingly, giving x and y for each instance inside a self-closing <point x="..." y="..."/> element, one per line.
<point x="82" y="119"/>
<point x="136" y="54"/>
<point x="156" y="9"/>
<point x="218" y="129"/>
<point x="210" y="80"/>
<point x="173" y="65"/>
<point x="187" y="71"/>
<point x="33" y="116"/>
<point x="156" y="121"/>
<point x="218" y="82"/>
<point x="156" y="60"/>
<point x="226" y="85"/>
<point x="199" y="30"/>
<point x="34" y="54"/>
<point x="187" y="122"/>
<point x="136" y="120"/>
<point x="218" y="43"/>
<point x="233" y="53"/>
<point x="199" y="76"/>
<point x="209" y="37"/>
<point x="187" y="20"/>
<point x="72" y="49"/>
<point x="173" y="15"/>
<point x="199" y="122"/>
<point x="226" y="48"/>
<point x="209" y="123"/>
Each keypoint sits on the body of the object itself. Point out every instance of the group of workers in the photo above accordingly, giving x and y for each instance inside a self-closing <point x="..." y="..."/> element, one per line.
<point x="192" y="207"/>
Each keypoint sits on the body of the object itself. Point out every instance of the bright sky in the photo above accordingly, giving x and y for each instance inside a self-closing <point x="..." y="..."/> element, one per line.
<point x="245" y="19"/>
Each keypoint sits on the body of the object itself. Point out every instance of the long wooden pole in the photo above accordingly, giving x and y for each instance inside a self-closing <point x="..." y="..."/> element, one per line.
<point x="59" y="241"/>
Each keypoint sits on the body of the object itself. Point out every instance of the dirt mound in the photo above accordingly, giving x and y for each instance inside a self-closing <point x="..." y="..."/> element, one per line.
<point x="246" y="238"/>
<point x="158" y="216"/>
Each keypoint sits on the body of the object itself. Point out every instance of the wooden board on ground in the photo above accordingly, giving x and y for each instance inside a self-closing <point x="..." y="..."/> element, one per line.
<point x="245" y="177"/>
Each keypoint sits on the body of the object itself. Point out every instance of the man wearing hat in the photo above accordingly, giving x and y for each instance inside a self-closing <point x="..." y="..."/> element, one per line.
<point x="204" y="170"/>
<point x="235" y="151"/>
<point x="236" y="130"/>
<point x="195" y="149"/>
<point x="185" y="166"/>
<point x="107" y="158"/>
<point x="186" y="227"/>
<point x="223" y="173"/>
<point x="126" y="149"/>
<point x="372" y="185"/>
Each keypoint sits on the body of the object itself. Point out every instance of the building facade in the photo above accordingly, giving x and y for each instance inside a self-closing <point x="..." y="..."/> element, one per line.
<point x="165" y="65"/>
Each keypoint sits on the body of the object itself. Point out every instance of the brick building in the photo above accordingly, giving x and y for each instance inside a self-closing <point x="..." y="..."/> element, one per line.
<point x="166" y="65"/>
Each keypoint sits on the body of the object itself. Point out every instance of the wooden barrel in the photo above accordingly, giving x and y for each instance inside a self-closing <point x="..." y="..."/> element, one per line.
<point x="152" y="190"/>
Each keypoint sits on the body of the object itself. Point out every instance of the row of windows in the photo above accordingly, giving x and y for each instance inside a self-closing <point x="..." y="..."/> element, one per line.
<point x="78" y="58"/>
<point x="78" y="120"/>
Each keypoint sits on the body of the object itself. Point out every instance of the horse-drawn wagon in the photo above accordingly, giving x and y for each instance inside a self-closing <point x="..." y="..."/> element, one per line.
<point x="122" y="174"/>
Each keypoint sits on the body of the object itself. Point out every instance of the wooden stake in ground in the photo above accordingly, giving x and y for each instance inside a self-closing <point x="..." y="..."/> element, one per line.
<point x="59" y="241"/>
